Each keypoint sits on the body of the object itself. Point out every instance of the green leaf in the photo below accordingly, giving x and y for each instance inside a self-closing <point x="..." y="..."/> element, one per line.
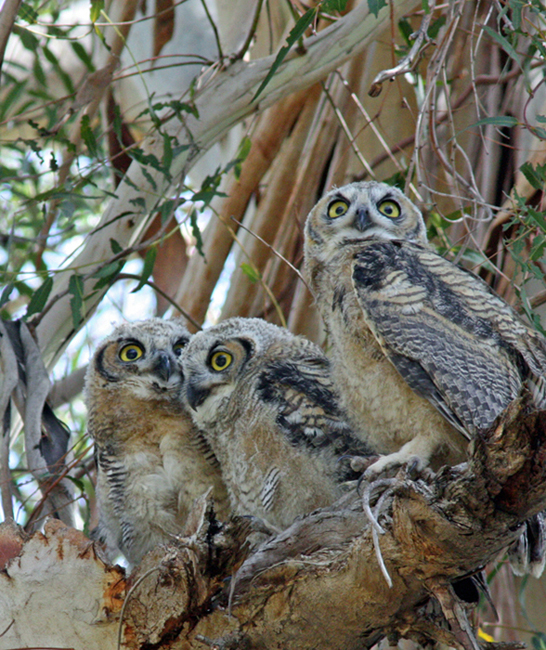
<point x="107" y="274"/>
<point x="433" y="30"/>
<point x="499" y="120"/>
<point x="167" y="151"/>
<point x="6" y="294"/>
<point x="516" y="7"/>
<point x="537" y="248"/>
<point x="537" y="218"/>
<point x="39" y="297"/>
<point x="27" y="13"/>
<point x="11" y="97"/>
<point x="329" y="6"/>
<point x="149" y="159"/>
<point x="179" y="107"/>
<point x="405" y="29"/>
<point x="64" y="77"/>
<point x="29" y="41"/>
<point x="75" y="287"/>
<point x="251" y="273"/>
<point x="96" y="7"/>
<point x="53" y="163"/>
<point x="166" y="209"/>
<point x="88" y="136"/>
<point x="504" y="43"/>
<point x="375" y="6"/>
<point x="82" y="55"/>
<point x="295" y="34"/>
<point x="538" y="132"/>
<point x="149" y="262"/>
<point x="77" y="482"/>
<point x="38" y="73"/>
<point x="196" y="233"/>
<point x="535" y="175"/>
<point x="139" y="202"/>
<point x="116" y="248"/>
<point x="241" y="156"/>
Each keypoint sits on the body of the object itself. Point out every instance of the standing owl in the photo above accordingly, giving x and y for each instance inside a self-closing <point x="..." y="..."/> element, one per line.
<point x="423" y="351"/>
<point x="264" y="400"/>
<point x="151" y="461"/>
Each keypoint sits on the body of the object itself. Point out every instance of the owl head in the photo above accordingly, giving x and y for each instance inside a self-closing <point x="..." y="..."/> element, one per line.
<point x="229" y="359"/>
<point x="140" y="361"/>
<point x="362" y="211"/>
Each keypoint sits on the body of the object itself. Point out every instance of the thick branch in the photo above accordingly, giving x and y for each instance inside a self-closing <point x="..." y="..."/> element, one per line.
<point x="316" y="585"/>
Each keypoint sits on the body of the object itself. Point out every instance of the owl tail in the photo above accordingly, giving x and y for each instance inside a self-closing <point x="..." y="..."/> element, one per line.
<point x="527" y="554"/>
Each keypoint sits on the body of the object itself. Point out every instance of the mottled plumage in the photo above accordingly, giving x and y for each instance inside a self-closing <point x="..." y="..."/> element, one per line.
<point x="151" y="461"/>
<point x="264" y="400"/>
<point x="424" y="353"/>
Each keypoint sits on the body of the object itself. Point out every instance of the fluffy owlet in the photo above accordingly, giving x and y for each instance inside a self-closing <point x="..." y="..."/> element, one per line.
<point x="423" y="351"/>
<point x="264" y="400"/>
<point x="151" y="461"/>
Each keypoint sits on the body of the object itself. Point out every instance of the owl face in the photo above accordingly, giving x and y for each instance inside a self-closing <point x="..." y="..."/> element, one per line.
<point x="362" y="211"/>
<point x="143" y="360"/>
<point x="220" y="361"/>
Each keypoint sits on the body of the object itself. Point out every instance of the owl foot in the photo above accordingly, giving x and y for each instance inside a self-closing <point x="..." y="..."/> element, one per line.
<point x="361" y="463"/>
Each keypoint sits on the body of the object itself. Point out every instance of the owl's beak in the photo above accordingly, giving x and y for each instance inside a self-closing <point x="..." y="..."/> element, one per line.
<point x="362" y="219"/>
<point x="196" y="395"/>
<point x="163" y="366"/>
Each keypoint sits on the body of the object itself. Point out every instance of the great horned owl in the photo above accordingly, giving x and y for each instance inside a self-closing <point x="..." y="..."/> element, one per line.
<point x="424" y="352"/>
<point x="151" y="461"/>
<point x="264" y="400"/>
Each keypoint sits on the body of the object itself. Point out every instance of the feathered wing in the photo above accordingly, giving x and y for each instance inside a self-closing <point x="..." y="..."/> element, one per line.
<point x="452" y="340"/>
<point x="457" y="344"/>
<point x="308" y="406"/>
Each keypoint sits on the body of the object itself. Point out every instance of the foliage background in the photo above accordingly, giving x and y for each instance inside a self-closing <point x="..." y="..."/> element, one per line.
<point x="208" y="221"/>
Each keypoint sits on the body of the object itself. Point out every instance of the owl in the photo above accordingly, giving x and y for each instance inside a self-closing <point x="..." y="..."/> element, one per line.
<point x="152" y="463"/>
<point x="423" y="351"/>
<point x="265" y="403"/>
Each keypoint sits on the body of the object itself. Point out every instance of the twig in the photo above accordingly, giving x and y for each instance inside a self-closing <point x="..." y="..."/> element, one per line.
<point x="347" y="132"/>
<point x="240" y="54"/>
<point x="273" y="250"/>
<point x="128" y="596"/>
<point x="153" y="285"/>
<point x="408" y="62"/>
<point x="214" y="29"/>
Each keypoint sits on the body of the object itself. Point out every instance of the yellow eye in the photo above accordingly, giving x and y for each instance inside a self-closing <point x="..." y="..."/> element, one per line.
<point x="178" y="347"/>
<point x="389" y="208"/>
<point x="220" y="361"/>
<point x="337" y="209"/>
<point x="131" y="352"/>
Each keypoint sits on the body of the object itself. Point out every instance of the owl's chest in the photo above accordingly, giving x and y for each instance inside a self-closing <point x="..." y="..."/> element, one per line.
<point x="378" y="401"/>
<point x="271" y="478"/>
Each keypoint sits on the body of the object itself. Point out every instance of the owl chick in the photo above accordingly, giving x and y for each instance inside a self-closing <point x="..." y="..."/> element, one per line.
<point x="264" y="400"/>
<point x="151" y="461"/>
<point x="423" y="351"/>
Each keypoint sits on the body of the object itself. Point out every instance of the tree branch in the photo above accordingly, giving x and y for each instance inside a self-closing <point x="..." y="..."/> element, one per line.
<point x="223" y="101"/>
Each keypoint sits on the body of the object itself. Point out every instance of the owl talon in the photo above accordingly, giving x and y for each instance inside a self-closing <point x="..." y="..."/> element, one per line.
<point x="361" y="463"/>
